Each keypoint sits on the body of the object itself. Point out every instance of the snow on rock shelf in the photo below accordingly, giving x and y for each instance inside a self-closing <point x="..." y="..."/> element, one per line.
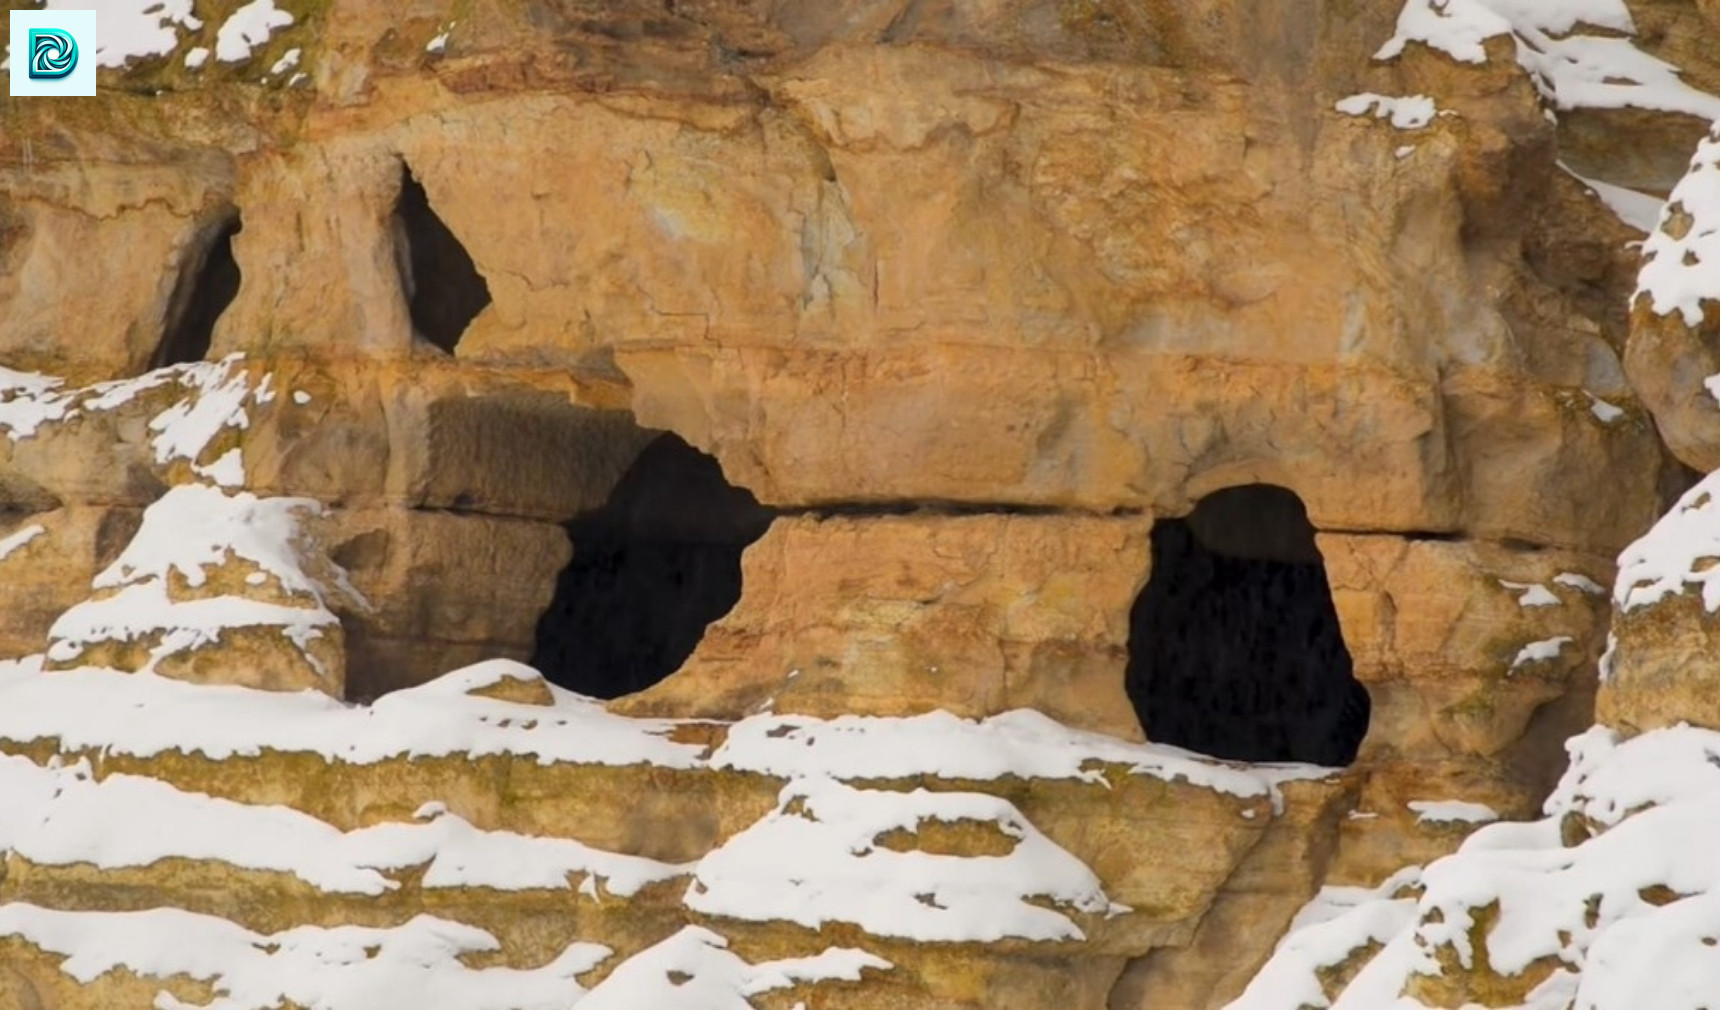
<point x="419" y="963"/>
<point x="830" y="853"/>
<point x="1680" y="256"/>
<point x="243" y="810"/>
<point x="212" y="568"/>
<point x="695" y="968"/>
<point x="1608" y="903"/>
<point x="1578" y="54"/>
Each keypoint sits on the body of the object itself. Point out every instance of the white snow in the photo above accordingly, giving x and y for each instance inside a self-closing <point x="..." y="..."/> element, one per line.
<point x="695" y="969"/>
<point x="1638" y="210"/>
<point x="1604" y="412"/>
<point x="189" y="530"/>
<point x="1712" y="384"/>
<point x="214" y="399"/>
<point x="216" y="402"/>
<point x="1572" y="69"/>
<point x="1409" y="112"/>
<point x="58" y="816"/>
<point x="143" y="714"/>
<point x="1580" y="582"/>
<point x="1681" y="550"/>
<point x="1452" y="812"/>
<point x="1682" y="254"/>
<point x="288" y="61"/>
<point x="1532" y="594"/>
<point x="17" y="539"/>
<point x="1541" y="651"/>
<point x="437" y="44"/>
<point x="1022" y="743"/>
<point x="196" y="56"/>
<point x="133" y="29"/>
<point x="1337" y="923"/>
<point x="417" y="964"/>
<point x="1592" y="907"/>
<point x="817" y="859"/>
<point x="249" y="27"/>
<point x="301" y="397"/>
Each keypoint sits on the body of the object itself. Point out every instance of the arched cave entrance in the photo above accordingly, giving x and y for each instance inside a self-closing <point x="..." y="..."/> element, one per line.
<point x="207" y="284"/>
<point x="1234" y="644"/>
<point x="651" y="570"/>
<point x="444" y="290"/>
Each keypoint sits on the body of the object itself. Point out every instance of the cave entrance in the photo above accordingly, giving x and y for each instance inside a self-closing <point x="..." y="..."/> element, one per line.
<point x="444" y="290"/>
<point x="207" y="284"/>
<point x="651" y="569"/>
<point x="1234" y="644"/>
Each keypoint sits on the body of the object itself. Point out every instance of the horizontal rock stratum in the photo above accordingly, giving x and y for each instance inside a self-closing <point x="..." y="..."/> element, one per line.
<point x="1062" y="503"/>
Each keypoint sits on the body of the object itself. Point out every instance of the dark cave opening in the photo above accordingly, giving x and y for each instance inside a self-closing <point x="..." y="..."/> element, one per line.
<point x="207" y="285"/>
<point x="651" y="570"/>
<point x="444" y="290"/>
<point x="1234" y="644"/>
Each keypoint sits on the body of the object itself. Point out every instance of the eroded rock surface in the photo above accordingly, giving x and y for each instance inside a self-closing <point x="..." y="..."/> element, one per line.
<point x="387" y="307"/>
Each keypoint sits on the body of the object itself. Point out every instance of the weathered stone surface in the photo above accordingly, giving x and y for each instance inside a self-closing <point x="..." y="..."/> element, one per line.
<point x="416" y="571"/>
<point x="898" y="615"/>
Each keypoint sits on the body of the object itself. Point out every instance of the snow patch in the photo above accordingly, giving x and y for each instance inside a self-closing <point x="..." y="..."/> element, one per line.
<point x="1451" y="812"/>
<point x="190" y="530"/>
<point x="249" y="27"/>
<point x="133" y="29"/>
<point x="1022" y="743"/>
<point x="1681" y="254"/>
<point x="416" y="964"/>
<point x="13" y="541"/>
<point x="1571" y="69"/>
<point x="817" y="858"/>
<point x="695" y="968"/>
<point x="1604" y="412"/>
<point x="1531" y="594"/>
<point x="62" y="816"/>
<point x="1409" y="112"/>
<point x="1541" y="651"/>
<point x="1626" y="916"/>
<point x="1580" y="582"/>
<point x="1680" y="550"/>
<point x="1640" y="211"/>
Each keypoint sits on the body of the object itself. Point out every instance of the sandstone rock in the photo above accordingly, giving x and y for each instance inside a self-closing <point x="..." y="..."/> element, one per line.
<point x="898" y="615"/>
<point x="415" y="569"/>
<point x="1477" y="635"/>
<point x="1663" y="622"/>
<point x="213" y="588"/>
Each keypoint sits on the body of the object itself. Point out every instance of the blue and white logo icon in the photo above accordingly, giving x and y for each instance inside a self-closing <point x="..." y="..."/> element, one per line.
<point x="52" y="53"/>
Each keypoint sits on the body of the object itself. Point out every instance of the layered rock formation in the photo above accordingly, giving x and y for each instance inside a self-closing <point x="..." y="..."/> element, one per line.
<point x="339" y="337"/>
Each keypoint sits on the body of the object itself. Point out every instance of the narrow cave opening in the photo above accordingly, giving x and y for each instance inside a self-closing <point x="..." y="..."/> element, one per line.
<point x="651" y="569"/>
<point x="444" y="290"/>
<point x="207" y="284"/>
<point x="1234" y="645"/>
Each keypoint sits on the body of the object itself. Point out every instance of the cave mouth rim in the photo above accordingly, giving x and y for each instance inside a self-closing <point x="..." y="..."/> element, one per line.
<point x="440" y="282"/>
<point x="207" y="285"/>
<point x="611" y="533"/>
<point x="1282" y="547"/>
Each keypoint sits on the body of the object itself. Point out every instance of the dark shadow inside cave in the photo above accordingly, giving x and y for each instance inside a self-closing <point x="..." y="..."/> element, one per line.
<point x="651" y="570"/>
<point x="207" y="284"/>
<point x="1234" y="644"/>
<point x="444" y="290"/>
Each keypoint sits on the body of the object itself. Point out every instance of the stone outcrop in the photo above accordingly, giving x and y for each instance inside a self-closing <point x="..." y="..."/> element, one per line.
<point x="320" y="357"/>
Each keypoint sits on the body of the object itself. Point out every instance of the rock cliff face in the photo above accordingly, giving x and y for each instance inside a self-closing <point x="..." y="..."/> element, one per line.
<point x="890" y="427"/>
